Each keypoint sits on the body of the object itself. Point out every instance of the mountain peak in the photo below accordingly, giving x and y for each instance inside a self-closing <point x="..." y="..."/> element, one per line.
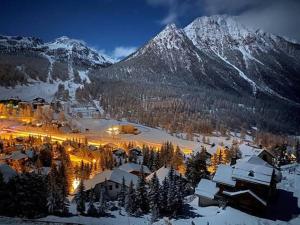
<point x="217" y="27"/>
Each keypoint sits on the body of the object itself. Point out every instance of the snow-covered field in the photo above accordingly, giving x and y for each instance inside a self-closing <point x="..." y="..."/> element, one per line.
<point x="148" y="135"/>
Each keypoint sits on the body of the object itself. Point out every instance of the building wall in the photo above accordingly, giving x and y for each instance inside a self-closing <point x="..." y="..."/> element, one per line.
<point x="203" y="202"/>
<point x="112" y="188"/>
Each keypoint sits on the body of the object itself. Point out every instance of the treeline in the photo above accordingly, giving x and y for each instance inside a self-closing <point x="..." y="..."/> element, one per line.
<point x="193" y="110"/>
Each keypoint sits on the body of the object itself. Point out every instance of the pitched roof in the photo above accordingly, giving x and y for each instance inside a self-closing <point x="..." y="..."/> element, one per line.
<point x="224" y="175"/>
<point x="17" y="155"/>
<point x="161" y="173"/>
<point x="115" y="175"/>
<point x="130" y="167"/>
<point x="253" y="170"/>
<point x="206" y="188"/>
<point x="245" y="192"/>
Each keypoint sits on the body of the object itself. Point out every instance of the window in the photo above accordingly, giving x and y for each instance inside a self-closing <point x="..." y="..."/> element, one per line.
<point x="110" y="187"/>
<point x="117" y="186"/>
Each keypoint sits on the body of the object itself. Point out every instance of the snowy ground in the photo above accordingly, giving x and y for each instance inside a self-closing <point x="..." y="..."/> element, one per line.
<point x="148" y="135"/>
<point x="199" y="215"/>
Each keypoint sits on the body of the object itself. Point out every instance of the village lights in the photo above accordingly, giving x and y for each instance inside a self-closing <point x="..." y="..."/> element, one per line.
<point x="113" y="131"/>
<point x="75" y="183"/>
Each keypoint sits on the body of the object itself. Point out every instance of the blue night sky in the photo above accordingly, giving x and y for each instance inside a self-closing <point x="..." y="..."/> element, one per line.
<point x="128" y="24"/>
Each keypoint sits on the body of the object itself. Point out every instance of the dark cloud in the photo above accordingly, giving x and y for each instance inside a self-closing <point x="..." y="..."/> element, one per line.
<point x="280" y="17"/>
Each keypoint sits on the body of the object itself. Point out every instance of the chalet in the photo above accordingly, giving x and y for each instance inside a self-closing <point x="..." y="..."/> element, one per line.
<point x="248" y="185"/>
<point x="135" y="169"/>
<point x="111" y="180"/>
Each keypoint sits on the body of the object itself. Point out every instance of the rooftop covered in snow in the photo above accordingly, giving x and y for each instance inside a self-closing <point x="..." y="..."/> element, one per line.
<point x="161" y="173"/>
<point x="115" y="175"/>
<point x="207" y="188"/>
<point x="224" y="175"/>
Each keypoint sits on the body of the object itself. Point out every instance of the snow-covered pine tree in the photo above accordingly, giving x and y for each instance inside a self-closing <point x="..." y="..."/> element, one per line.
<point x="130" y="201"/>
<point x="53" y="191"/>
<point x="179" y="195"/>
<point x="122" y="194"/>
<point x="196" y="168"/>
<point x="153" y="196"/>
<point x="102" y="202"/>
<point x="62" y="183"/>
<point x="171" y="190"/>
<point x="141" y="193"/>
<point x="164" y="196"/>
<point x="92" y="211"/>
<point x="80" y="198"/>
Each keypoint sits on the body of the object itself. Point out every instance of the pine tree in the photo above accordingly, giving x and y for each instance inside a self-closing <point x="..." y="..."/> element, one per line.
<point x="102" y="202"/>
<point x="3" y="195"/>
<point x="92" y="211"/>
<point x="153" y="196"/>
<point x="164" y="196"/>
<point x="171" y="190"/>
<point x="122" y="194"/>
<point x="141" y="193"/>
<point x="80" y="198"/>
<point x="177" y="159"/>
<point x="179" y="195"/>
<point x="130" y="201"/>
<point x="53" y="191"/>
<point x="63" y="189"/>
<point x="196" y="168"/>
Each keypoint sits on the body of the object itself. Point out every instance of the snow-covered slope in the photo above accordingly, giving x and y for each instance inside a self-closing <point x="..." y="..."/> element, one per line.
<point x="268" y="63"/>
<point x="216" y="52"/>
<point x="30" y="68"/>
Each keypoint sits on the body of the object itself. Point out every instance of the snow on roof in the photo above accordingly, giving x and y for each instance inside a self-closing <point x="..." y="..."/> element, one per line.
<point x="248" y="150"/>
<point x="115" y="175"/>
<point x="161" y="174"/>
<point x="243" y="192"/>
<point x="29" y="153"/>
<point x="7" y="172"/>
<point x="17" y="155"/>
<point x="224" y="175"/>
<point x="207" y="188"/>
<point x="253" y="170"/>
<point x="130" y="167"/>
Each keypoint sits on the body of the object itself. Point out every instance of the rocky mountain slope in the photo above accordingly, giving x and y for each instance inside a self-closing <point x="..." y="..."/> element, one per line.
<point x="29" y="67"/>
<point x="216" y="52"/>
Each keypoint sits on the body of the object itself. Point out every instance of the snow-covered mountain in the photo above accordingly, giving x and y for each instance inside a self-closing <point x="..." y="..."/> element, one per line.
<point x="216" y="52"/>
<point x="269" y="63"/>
<point x="28" y="63"/>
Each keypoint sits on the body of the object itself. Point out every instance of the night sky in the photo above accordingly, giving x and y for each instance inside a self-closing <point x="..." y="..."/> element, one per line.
<point x="118" y="27"/>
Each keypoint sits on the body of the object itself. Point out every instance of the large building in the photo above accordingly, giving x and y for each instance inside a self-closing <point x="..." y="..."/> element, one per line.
<point x="111" y="180"/>
<point x="247" y="185"/>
